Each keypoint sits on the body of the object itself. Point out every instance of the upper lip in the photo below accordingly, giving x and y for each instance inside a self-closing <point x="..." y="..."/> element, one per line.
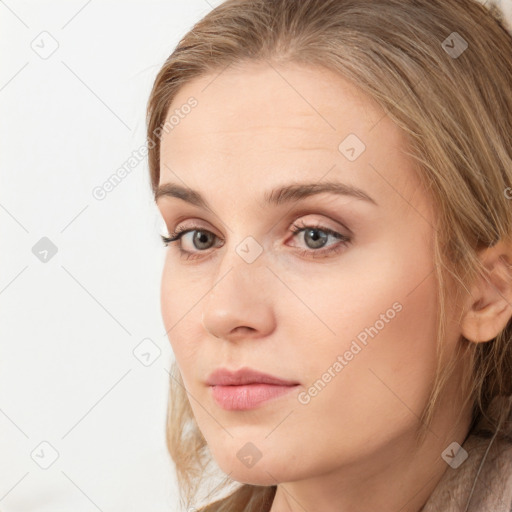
<point x="225" y="377"/>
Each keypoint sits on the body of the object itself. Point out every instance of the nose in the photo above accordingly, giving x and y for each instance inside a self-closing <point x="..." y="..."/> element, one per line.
<point x="239" y="303"/>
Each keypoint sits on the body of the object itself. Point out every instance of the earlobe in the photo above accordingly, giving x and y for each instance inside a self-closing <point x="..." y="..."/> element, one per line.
<point x="488" y="309"/>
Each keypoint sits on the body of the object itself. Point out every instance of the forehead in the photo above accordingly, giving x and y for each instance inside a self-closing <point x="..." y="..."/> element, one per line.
<point x="291" y="101"/>
<point x="263" y="122"/>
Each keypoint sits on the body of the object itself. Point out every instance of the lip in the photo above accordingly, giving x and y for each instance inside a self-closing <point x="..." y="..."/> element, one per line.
<point x="246" y="388"/>
<point x="248" y="396"/>
<point x="243" y="376"/>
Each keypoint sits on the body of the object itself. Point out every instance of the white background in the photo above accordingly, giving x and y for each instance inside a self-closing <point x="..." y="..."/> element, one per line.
<point x="69" y="326"/>
<point x="68" y="375"/>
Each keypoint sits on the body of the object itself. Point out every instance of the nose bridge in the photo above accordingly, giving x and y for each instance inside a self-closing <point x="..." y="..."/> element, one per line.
<point x="238" y="296"/>
<point x="242" y="268"/>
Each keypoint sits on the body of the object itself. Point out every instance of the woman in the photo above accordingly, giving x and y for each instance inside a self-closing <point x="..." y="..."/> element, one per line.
<point x="336" y="177"/>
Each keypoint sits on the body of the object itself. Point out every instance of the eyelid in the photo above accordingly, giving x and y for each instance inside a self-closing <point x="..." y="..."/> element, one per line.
<point x="288" y="222"/>
<point x="193" y="226"/>
<point x="301" y="212"/>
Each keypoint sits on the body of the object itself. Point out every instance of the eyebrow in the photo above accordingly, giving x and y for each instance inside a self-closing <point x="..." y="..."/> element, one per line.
<point x="275" y="197"/>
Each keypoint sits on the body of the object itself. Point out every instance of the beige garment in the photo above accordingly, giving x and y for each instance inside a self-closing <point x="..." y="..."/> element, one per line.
<point x="492" y="484"/>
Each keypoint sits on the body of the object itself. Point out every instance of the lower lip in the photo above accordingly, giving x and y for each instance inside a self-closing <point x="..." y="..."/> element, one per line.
<point x="241" y="398"/>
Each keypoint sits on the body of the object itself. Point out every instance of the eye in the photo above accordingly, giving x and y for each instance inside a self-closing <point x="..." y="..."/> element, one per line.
<point x="310" y="235"/>
<point x="315" y="237"/>
<point x="199" y="239"/>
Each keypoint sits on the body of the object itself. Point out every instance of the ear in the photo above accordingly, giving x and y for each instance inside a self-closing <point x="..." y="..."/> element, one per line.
<point x="489" y="307"/>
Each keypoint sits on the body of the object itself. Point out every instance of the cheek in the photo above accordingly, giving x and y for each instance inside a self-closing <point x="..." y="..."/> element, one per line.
<point x="383" y="355"/>
<point x="180" y="310"/>
<point x="392" y="341"/>
<point x="168" y="289"/>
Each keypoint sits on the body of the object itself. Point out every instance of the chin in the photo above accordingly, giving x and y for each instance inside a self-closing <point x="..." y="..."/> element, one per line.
<point x="266" y="470"/>
<point x="254" y="476"/>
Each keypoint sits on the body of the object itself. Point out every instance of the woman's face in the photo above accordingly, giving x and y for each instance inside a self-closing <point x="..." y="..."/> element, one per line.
<point x="351" y="322"/>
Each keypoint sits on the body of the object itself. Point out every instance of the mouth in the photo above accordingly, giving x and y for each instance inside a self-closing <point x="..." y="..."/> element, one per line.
<point x="248" y="396"/>
<point x="243" y="376"/>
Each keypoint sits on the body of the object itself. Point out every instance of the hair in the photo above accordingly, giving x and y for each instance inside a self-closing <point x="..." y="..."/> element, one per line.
<point x="456" y="116"/>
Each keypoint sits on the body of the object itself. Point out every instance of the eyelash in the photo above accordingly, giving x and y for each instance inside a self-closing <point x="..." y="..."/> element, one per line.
<point x="345" y="240"/>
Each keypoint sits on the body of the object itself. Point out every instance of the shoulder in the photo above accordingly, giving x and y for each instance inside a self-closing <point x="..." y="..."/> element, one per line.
<point x="493" y="484"/>
<point x="484" y="479"/>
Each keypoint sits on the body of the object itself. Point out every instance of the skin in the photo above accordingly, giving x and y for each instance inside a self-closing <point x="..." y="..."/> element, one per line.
<point x="353" y="446"/>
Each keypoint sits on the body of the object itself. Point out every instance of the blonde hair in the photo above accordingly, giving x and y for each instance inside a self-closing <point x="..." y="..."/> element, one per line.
<point x="456" y="114"/>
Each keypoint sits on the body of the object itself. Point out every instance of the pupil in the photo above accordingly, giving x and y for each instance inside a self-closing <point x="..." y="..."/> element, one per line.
<point x="316" y="238"/>
<point x="200" y="237"/>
